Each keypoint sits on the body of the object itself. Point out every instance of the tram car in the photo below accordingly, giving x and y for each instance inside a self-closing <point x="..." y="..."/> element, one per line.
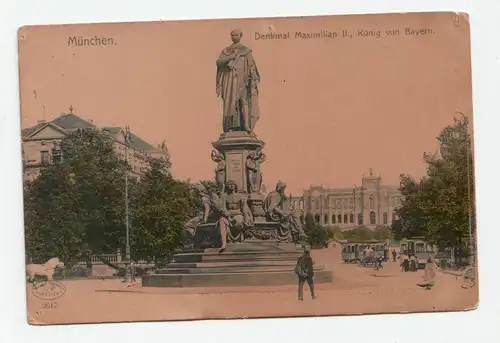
<point x="353" y="252"/>
<point x="421" y="249"/>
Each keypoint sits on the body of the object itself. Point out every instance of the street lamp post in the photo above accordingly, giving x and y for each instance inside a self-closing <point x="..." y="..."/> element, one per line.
<point x="128" y="273"/>
<point x="465" y="137"/>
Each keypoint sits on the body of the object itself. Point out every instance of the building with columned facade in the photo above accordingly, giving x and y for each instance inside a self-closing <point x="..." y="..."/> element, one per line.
<point x="40" y="144"/>
<point x="370" y="204"/>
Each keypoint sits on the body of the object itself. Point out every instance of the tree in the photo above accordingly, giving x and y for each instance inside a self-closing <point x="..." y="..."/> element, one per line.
<point x="381" y="233"/>
<point x="335" y="233"/>
<point x="76" y="206"/>
<point x="359" y="234"/>
<point x="309" y="222"/>
<point x="161" y="208"/>
<point x="209" y="184"/>
<point x="316" y="235"/>
<point x="440" y="206"/>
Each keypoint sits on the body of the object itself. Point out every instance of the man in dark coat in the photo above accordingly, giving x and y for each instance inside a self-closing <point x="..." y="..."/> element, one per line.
<point x="305" y="272"/>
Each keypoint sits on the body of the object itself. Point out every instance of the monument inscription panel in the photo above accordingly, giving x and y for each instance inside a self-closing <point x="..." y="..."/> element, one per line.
<point x="235" y="170"/>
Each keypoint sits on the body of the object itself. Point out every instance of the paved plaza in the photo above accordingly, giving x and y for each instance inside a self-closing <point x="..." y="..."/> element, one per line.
<point x="354" y="290"/>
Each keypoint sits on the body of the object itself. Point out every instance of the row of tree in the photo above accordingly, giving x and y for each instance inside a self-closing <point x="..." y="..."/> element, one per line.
<point x="77" y="206"/>
<point x="318" y="236"/>
<point x="440" y="207"/>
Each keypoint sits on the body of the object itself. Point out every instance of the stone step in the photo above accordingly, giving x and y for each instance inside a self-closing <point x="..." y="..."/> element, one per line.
<point x="234" y="264"/>
<point x="258" y="248"/>
<point x="230" y="279"/>
<point x="226" y="257"/>
<point x="229" y="269"/>
<point x="215" y="252"/>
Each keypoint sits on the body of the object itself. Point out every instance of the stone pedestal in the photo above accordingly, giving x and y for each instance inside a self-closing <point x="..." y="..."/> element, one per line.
<point x="235" y="147"/>
<point x="265" y="253"/>
<point x="252" y="263"/>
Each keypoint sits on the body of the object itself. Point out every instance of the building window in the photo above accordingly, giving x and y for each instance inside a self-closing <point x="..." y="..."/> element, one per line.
<point x="372" y="218"/>
<point x="325" y="218"/>
<point x="394" y="216"/>
<point x="351" y="218"/>
<point x="360" y="219"/>
<point x="334" y="219"/>
<point x="339" y="219"/>
<point x="372" y="205"/>
<point x="316" y="218"/>
<point x="385" y="218"/>
<point x="44" y="157"/>
<point x="345" y="219"/>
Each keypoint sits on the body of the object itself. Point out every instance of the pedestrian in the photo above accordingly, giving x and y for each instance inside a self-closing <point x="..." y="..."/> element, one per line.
<point x="132" y="270"/>
<point x="413" y="263"/>
<point x="394" y="255"/>
<point x="406" y="262"/>
<point x="379" y="262"/>
<point x="305" y="272"/>
<point x="429" y="274"/>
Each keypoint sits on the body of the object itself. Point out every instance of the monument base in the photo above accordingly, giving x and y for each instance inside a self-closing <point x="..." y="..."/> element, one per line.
<point x="252" y="263"/>
<point x="236" y="147"/>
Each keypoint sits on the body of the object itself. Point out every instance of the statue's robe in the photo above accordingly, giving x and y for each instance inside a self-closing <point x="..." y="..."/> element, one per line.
<point x="254" y="176"/>
<point x="237" y="83"/>
<point x="290" y="222"/>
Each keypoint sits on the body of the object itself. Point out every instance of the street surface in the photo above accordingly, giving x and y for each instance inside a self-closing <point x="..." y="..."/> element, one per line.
<point x="355" y="290"/>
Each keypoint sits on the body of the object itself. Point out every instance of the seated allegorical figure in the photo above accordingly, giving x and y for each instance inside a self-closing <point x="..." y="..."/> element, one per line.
<point x="273" y="206"/>
<point x="235" y="215"/>
<point x="207" y="210"/>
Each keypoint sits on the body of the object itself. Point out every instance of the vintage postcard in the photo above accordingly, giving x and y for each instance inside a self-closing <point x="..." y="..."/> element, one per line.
<point x="268" y="167"/>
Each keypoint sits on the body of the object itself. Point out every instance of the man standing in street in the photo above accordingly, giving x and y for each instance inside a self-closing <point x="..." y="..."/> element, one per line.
<point x="305" y="272"/>
<point x="394" y="255"/>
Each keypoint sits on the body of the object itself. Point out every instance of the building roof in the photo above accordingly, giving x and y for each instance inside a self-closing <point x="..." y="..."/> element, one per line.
<point x="135" y="141"/>
<point x="70" y="122"/>
<point x="30" y="130"/>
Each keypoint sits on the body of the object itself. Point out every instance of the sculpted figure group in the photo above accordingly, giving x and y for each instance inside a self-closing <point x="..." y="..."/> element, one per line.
<point x="230" y="213"/>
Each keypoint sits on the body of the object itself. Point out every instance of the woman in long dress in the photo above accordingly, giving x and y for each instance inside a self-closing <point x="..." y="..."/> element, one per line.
<point x="429" y="274"/>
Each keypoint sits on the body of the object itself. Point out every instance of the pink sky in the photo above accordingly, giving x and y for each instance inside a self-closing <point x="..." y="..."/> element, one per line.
<point x="330" y="109"/>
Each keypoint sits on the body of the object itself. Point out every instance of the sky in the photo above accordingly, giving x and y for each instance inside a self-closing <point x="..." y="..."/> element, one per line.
<point x="330" y="109"/>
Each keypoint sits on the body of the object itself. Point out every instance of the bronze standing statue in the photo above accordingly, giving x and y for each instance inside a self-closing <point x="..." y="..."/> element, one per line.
<point x="237" y="83"/>
<point x="254" y="175"/>
<point x="220" y="170"/>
